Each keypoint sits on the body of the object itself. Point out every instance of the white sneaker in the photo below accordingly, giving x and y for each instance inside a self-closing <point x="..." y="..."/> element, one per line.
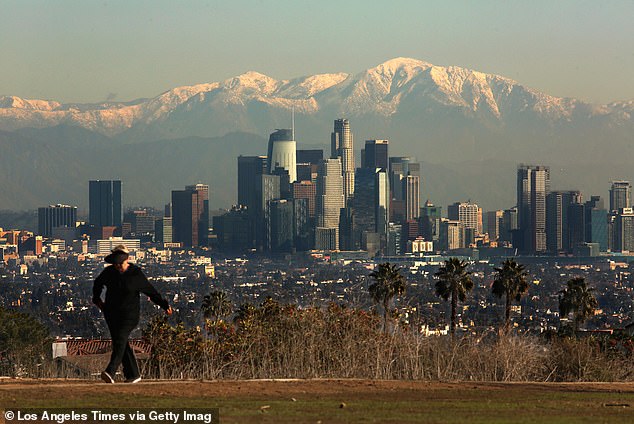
<point x="133" y="380"/>
<point x="105" y="376"/>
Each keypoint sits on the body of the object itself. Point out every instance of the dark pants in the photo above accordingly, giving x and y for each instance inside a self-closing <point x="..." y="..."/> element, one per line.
<point x="122" y="353"/>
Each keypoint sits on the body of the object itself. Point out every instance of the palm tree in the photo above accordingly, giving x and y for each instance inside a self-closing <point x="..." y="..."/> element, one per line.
<point x="453" y="281"/>
<point x="511" y="283"/>
<point x="577" y="298"/>
<point x="389" y="283"/>
<point x="215" y="306"/>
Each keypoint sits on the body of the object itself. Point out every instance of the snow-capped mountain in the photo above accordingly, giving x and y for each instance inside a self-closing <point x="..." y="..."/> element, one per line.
<point x="398" y="86"/>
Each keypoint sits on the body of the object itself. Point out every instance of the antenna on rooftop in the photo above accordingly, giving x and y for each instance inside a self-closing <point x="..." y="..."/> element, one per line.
<point x="293" y="122"/>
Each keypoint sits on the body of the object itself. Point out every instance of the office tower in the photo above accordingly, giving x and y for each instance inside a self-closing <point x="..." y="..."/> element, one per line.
<point x="370" y="205"/>
<point x="342" y="147"/>
<point x="306" y="190"/>
<point x="394" y="239"/>
<point x="430" y="221"/>
<point x="624" y="231"/>
<point x="330" y="197"/>
<point x="267" y="190"/>
<point x="620" y="195"/>
<point x="558" y="223"/>
<point x="375" y="154"/>
<point x="303" y="229"/>
<point x="282" y="225"/>
<point x="311" y="156"/>
<point x="104" y="202"/>
<point x="163" y="230"/>
<point x="404" y="189"/>
<point x="510" y="225"/>
<point x="452" y="234"/>
<point x="412" y="197"/>
<point x="249" y="170"/>
<point x="233" y="230"/>
<point x="190" y="215"/>
<point x="533" y="184"/>
<point x="55" y="216"/>
<point x="596" y="223"/>
<point x="494" y="223"/>
<point x="468" y="213"/>
<point x="282" y="153"/>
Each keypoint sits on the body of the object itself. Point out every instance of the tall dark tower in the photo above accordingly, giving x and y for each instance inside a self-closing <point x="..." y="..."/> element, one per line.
<point x="104" y="202"/>
<point x="190" y="215"/>
<point x="376" y="154"/>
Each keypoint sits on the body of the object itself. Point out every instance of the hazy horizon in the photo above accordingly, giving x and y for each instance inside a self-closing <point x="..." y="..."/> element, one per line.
<point x="89" y="52"/>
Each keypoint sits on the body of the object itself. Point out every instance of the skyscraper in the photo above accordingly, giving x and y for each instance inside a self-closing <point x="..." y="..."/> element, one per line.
<point x="282" y="153"/>
<point x="190" y="215"/>
<point x="55" y="216"/>
<point x="404" y="189"/>
<point x="370" y="204"/>
<point x="375" y="154"/>
<point x="330" y="197"/>
<point x="620" y="195"/>
<point x="104" y="203"/>
<point x="533" y="184"/>
<point x="342" y="147"/>
<point x="596" y="223"/>
<point x="558" y="223"/>
<point x="494" y="224"/>
<point x="249" y="169"/>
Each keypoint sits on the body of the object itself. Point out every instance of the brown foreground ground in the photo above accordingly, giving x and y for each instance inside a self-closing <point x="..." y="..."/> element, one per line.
<point x="340" y="401"/>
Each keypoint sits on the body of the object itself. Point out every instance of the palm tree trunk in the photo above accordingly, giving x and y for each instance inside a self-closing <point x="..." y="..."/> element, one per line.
<point x="454" y="306"/>
<point x="507" y="322"/>
<point x="385" y="306"/>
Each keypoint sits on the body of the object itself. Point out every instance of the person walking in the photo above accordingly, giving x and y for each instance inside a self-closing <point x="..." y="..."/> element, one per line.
<point x="123" y="282"/>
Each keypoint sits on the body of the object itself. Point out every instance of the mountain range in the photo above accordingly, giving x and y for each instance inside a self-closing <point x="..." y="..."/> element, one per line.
<point x="469" y="130"/>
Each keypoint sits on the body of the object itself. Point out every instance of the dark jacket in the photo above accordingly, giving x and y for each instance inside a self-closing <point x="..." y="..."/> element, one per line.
<point x="122" y="293"/>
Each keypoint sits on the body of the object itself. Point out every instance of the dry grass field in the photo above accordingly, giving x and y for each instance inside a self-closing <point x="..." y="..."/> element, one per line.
<point x="342" y="401"/>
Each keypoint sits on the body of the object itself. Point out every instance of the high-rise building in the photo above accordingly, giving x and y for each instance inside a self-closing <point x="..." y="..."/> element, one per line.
<point x="624" y="231"/>
<point x="163" y="230"/>
<point x="282" y="153"/>
<point x="267" y="190"/>
<point x="494" y="223"/>
<point x="370" y="204"/>
<point x="249" y="170"/>
<point x="533" y="184"/>
<point x="470" y="214"/>
<point x="430" y="221"/>
<point x="596" y="223"/>
<point x="282" y="226"/>
<point x="558" y="223"/>
<point x="342" y="147"/>
<point x="311" y="156"/>
<point x="104" y="203"/>
<point x="233" y="229"/>
<point x="306" y="190"/>
<point x="452" y="234"/>
<point x="330" y="197"/>
<point x="55" y="216"/>
<point x="375" y="154"/>
<point x="510" y="226"/>
<point x="404" y="189"/>
<point x="190" y="215"/>
<point x="620" y="195"/>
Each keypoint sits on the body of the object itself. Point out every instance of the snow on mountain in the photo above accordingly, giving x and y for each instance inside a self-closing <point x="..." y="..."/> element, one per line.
<point x="379" y="91"/>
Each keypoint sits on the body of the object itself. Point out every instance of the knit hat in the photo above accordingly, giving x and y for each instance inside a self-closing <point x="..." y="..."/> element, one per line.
<point x="119" y="254"/>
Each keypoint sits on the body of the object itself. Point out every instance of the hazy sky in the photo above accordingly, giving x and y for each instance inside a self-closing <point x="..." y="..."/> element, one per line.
<point x="88" y="51"/>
